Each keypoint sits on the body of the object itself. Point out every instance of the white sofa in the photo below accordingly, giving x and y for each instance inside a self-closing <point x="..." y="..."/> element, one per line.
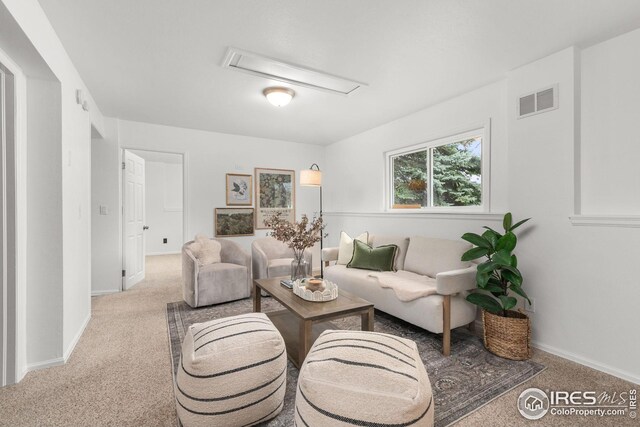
<point x="437" y="262"/>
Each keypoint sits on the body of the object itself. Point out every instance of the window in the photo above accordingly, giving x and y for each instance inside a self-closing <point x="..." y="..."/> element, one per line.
<point x="444" y="173"/>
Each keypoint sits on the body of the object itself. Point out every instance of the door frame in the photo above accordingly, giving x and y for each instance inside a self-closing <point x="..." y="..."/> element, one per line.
<point x="13" y="363"/>
<point x="185" y="195"/>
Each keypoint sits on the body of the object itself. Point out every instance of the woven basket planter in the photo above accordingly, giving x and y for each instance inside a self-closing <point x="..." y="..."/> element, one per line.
<point x="508" y="337"/>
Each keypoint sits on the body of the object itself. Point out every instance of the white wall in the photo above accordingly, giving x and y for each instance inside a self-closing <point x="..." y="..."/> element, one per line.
<point x="354" y="189"/>
<point x="106" y="260"/>
<point x="209" y="156"/>
<point x="45" y="291"/>
<point x="70" y="252"/>
<point x="163" y="207"/>
<point x="583" y="279"/>
<point x="610" y="145"/>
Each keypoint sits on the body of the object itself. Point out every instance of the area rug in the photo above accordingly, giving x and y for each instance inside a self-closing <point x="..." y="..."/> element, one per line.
<point x="463" y="382"/>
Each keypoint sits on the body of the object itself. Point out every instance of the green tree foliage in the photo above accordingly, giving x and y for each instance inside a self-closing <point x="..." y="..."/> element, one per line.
<point x="456" y="176"/>
<point x="410" y="175"/>
<point x="454" y="168"/>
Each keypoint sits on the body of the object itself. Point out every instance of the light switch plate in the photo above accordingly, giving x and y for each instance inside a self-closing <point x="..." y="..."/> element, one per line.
<point x="104" y="210"/>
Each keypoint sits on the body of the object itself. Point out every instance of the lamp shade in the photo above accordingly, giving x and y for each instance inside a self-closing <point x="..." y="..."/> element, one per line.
<point x="310" y="178"/>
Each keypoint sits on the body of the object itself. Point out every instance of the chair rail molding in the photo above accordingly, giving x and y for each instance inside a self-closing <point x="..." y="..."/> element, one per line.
<point x="625" y="221"/>
<point x="484" y="216"/>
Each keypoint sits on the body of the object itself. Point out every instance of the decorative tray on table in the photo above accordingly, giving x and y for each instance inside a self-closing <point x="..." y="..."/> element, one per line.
<point x="315" y="290"/>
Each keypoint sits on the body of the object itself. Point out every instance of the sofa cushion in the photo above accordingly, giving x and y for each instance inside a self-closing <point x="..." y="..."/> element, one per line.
<point x="425" y="312"/>
<point x="209" y="252"/>
<point x="206" y="251"/>
<point x="401" y="242"/>
<point x="365" y="257"/>
<point x="430" y="256"/>
<point x="345" y="252"/>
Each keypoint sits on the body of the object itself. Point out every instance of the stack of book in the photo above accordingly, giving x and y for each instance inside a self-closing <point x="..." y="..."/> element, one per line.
<point x="287" y="283"/>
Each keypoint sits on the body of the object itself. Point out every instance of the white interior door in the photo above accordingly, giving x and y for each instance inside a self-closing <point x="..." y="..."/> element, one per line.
<point x="133" y="218"/>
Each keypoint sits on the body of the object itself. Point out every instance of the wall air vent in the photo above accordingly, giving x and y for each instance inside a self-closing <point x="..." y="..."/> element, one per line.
<point x="274" y="69"/>
<point x="537" y="102"/>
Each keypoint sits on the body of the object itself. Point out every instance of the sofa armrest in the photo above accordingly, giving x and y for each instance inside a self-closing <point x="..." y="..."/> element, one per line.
<point x="329" y="254"/>
<point x="190" y="270"/>
<point x="456" y="281"/>
<point x="260" y="262"/>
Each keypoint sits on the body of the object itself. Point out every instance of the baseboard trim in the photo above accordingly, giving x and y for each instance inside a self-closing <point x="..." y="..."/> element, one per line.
<point x="107" y="292"/>
<point x="72" y="346"/>
<point x="162" y="253"/>
<point x="587" y="362"/>
<point x="45" y="364"/>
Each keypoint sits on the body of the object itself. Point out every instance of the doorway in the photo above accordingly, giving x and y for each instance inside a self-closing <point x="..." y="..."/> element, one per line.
<point x="153" y="209"/>
<point x="8" y="301"/>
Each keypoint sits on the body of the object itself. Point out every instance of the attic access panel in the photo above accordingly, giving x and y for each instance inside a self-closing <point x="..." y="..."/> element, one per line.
<point x="274" y="69"/>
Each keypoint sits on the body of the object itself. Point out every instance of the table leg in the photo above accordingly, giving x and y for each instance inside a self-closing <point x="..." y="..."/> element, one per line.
<point x="257" y="298"/>
<point x="446" y="325"/>
<point x="366" y="319"/>
<point x="306" y="336"/>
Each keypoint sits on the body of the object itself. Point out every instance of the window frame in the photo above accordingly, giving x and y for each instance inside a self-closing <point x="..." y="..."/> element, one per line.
<point x="450" y="137"/>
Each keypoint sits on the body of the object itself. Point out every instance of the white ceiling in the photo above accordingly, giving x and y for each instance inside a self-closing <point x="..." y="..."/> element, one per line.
<point x="158" y="61"/>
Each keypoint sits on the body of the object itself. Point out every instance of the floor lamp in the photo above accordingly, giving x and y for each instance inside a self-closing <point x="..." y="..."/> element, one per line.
<point x="312" y="177"/>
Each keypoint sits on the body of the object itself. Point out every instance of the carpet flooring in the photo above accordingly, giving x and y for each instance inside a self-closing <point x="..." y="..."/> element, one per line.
<point x="467" y="380"/>
<point x="120" y="371"/>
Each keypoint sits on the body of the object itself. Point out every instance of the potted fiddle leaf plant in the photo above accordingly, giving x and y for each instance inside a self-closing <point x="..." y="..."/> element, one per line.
<point x="507" y="333"/>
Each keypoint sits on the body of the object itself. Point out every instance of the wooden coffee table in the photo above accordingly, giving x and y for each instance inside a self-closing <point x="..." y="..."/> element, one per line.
<point x="303" y="321"/>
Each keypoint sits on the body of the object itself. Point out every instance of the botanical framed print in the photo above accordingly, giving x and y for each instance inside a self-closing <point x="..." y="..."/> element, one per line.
<point x="234" y="222"/>
<point x="239" y="190"/>
<point x="275" y="192"/>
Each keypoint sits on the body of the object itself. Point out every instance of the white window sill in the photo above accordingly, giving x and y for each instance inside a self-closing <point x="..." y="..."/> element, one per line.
<point x="415" y="213"/>
<point x="628" y="221"/>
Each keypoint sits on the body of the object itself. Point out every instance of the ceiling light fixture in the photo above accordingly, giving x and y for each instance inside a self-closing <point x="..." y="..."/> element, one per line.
<point x="279" y="96"/>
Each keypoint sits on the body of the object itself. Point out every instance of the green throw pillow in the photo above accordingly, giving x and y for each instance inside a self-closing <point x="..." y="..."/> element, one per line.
<point x="367" y="258"/>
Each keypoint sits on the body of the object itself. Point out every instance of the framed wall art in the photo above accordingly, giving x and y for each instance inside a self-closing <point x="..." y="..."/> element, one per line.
<point x="234" y="222"/>
<point x="275" y="192"/>
<point x="239" y="190"/>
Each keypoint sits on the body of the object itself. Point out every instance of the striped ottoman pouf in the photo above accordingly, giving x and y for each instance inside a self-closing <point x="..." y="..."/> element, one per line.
<point x="232" y="372"/>
<point x="364" y="379"/>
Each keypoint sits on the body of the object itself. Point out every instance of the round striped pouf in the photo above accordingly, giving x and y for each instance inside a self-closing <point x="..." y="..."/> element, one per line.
<point x="232" y="372"/>
<point x="364" y="379"/>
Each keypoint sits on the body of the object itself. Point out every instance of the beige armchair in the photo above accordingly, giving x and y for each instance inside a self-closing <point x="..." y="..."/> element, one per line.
<point x="227" y="280"/>
<point x="272" y="258"/>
